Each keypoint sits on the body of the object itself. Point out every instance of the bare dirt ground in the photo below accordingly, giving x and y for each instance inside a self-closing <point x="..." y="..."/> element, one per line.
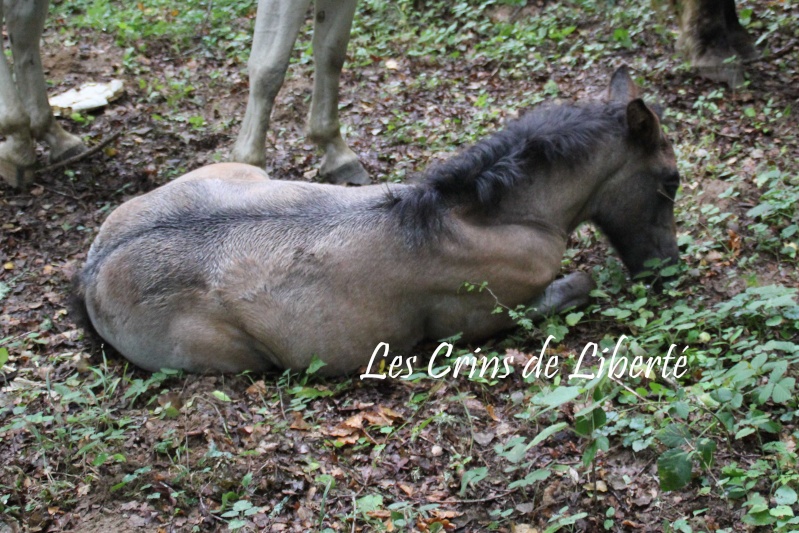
<point x="188" y="446"/>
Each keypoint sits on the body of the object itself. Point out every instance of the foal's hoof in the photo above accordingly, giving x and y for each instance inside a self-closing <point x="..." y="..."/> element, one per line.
<point x="351" y="173"/>
<point x="576" y="288"/>
<point x="743" y="45"/>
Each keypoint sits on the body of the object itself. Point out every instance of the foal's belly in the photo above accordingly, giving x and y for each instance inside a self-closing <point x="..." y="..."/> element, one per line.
<point x="335" y="326"/>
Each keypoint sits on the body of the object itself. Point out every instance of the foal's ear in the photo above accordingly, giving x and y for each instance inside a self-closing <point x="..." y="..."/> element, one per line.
<point x="622" y="88"/>
<point x="643" y="124"/>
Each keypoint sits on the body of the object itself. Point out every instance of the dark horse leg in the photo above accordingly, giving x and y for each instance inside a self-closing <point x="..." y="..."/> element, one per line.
<point x="741" y="41"/>
<point x="714" y="39"/>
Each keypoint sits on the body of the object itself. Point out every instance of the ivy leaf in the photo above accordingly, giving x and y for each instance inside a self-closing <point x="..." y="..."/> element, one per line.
<point x="674" y="469"/>
<point x="315" y="365"/>
<point x="310" y="392"/>
<point x="221" y="396"/>
<point x="234" y="525"/>
<point x="369" y="503"/>
<point x="765" y="393"/>
<point x="590" y="453"/>
<point x="744" y="432"/>
<point x="517" y="453"/>
<point x="585" y="425"/>
<point x="707" y="449"/>
<point x="762" y="518"/>
<point x="785" y="495"/>
<point x="551" y="430"/>
<point x="680" y="409"/>
<point x="242" y="505"/>
<point x="781" y="511"/>
<point x="537" y="475"/>
<point x="573" y="318"/>
<point x="783" y="391"/>
<point x="674" y="435"/>
<point x="559" y="396"/>
<point x="778" y="370"/>
<point x="473" y="476"/>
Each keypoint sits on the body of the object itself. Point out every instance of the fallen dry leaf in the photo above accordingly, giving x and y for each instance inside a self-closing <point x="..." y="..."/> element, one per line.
<point x="257" y="389"/>
<point x="407" y="489"/>
<point x="299" y="422"/>
<point x="734" y="243"/>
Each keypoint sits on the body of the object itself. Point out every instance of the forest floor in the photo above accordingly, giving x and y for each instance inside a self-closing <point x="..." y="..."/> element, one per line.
<point x="90" y="443"/>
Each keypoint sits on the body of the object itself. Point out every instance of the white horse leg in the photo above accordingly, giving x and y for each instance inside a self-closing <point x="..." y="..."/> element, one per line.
<point x="16" y="153"/>
<point x="25" y="25"/>
<point x="277" y="24"/>
<point x="331" y="35"/>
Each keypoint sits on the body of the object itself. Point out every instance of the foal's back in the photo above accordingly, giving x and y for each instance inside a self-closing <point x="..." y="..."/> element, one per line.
<point x="226" y="195"/>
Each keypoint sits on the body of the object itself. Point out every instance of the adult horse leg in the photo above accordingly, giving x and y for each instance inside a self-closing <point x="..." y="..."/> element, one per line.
<point x="740" y="40"/>
<point x="331" y="34"/>
<point x="25" y="25"/>
<point x="277" y="24"/>
<point x="16" y="153"/>
<point x="711" y="34"/>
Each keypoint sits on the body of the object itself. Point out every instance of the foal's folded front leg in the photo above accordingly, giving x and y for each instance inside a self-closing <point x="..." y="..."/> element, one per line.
<point x="570" y="291"/>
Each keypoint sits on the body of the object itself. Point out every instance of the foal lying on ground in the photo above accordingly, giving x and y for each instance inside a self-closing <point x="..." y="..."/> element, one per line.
<point x="225" y="270"/>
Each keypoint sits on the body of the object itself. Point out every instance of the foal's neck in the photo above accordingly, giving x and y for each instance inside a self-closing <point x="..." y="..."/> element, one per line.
<point x="560" y="200"/>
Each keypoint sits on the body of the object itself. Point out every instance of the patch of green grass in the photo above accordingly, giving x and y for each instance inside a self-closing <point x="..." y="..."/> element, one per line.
<point x="215" y="24"/>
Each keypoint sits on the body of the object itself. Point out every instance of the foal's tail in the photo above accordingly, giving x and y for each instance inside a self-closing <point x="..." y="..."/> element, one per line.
<point x="78" y="310"/>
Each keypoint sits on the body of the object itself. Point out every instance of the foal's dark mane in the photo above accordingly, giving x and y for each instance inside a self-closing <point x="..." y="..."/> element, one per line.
<point x="480" y="175"/>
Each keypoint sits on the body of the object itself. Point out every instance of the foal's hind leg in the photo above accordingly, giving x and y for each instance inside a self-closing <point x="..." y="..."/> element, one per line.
<point x="561" y="294"/>
<point x="25" y="25"/>
<point x="331" y="35"/>
<point x="277" y="24"/>
<point x="16" y="153"/>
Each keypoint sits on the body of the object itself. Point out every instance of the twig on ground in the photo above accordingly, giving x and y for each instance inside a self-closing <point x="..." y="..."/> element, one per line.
<point x="91" y="151"/>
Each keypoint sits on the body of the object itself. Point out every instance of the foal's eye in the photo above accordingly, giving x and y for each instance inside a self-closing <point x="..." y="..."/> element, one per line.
<point x="671" y="183"/>
<point x="671" y="189"/>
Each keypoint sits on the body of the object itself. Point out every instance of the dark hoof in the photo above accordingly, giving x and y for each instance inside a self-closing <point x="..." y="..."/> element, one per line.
<point x="732" y="74"/>
<point x="743" y="46"/>
<point x="351" y="173"/>
<point x="722" y="65"/>
<point x="67" y="154"/>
